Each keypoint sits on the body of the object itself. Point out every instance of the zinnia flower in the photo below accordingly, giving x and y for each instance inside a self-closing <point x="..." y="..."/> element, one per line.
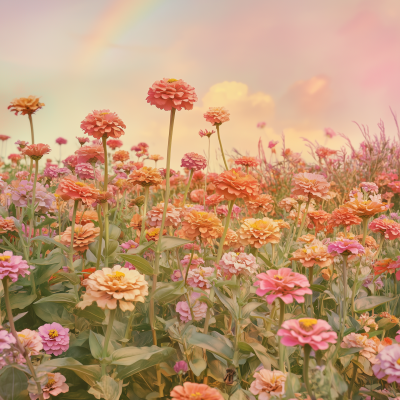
<point x="343" y="216"/>
<point x="203" y="225"/>
<point x="36" y="151"/>
<point x="61" y="141"/>
<point x="197" y="196"/>
<point x="55" y="338"/>
<point x="365" y="208"/>
<point x="306" y="238"/>
<point x="231" y="240"/>
<point x="90" y="154"/>
<point x="103" y="123"/>
<point x="193" y="161"/>
<point x="217" y="115"/>
<point x="387" y="265"/>
<point x="310" y="185"/>
<point x="154" y="216"/>
<point x="121" y="155"/>
<point x="317" y="333"/>
<point x="214" y="199"/>
<point x="288" y="203"/>
<point x="172" y="93"/>
<point x="257" y="232"/>
<point x="84" y="171"/>
<point x="109" y="287"/>
<point x="235" y="184"/>
<point x="7" y="225"/>
<point x="13" y="266"/>
<point x="284" y="284"/>
<point x="195" y="391"/>
<point x="86" y="218"/>
<point x="54" y="385"/>
<point x="145" y="176"/>
<point x="268" y="383"/>
<point x="318" y="218"/>
<point x="313" y="253"/>
<point x="6" y="340"/>
<point x="114" y="143"/>
<point x="198" y="277"/>
<point x="238" y="264"/>
<point x="361" y="340"/>
<point x="199" y="308"/>
<point x="247" y="161"/>
<point x="388" y="365"/>
<point x="262" y="203"/>
<point x="31" y="341"/>
<point x="82" y="140"/>
<point x="83" y="236"/>
<point x="181" y="367"/>
<point x="25" y="105"/>
<point x="206" y="132"/>
<point x="388" y="228"/>
<point x="71" y="161"/>
<point x="70" y="188"/>
<point x="346" y="246"/>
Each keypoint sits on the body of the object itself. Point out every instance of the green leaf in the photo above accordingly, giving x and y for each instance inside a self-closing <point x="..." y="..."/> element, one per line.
<point x="48" y="240"/>
<point x="76" y="395"/>
<point x="370" y="302"/>
<point x="318" y="288"/>
<point x="170" y="242"/>
<point x="89" y="373"/>
<point x="212" y="344"/>
<point x="114" y="232"/>
<point x="245" y="348"/>
<point x="136" y="359"/>
<point x="375" y="395"/>
<point x="69" y="276"/>
<point x="231" y="284"/>
<point x="351" y="350"/>
<point x="92" y="313"/>
<point x="205" y="299"/>
<point x="266" y="359"/>
<point x="107" y="389"/>
<point x="21" y="300"/>
<point x="197" y="363"/>
<point x="168" y="292"/>
<point x="140" y="263"/>
<point x="249" y="308"/>
<point x="45" y="273"/>
<point x="269" y="263"/>
<point x="228" y="303"/>
<point x="374" y="333"/>
<point x="96" y="344"/>
<point x="47" y="221"/>
<point x="240" y="394"/>
<point x="58" y="298"/>
<point x="13" y="385"/>
<point x="54" y="312"/>
<point x="112" y="247"/>
<point x="141" y="248"/>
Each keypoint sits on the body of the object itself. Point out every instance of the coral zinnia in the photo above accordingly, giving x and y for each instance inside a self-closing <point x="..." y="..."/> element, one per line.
<point x="154" y="216"/>
<point x="70" y="188"/>
<point x="318" y="218"/>
<point x="7" y="225"/>
<point x="214" y="199"/>
<point x="84" y="235"/>
<point x="25" y="105"/>
<point x="103" y="123"/>
<point x="54" y="385"/>
<point x="195" y="391"/>
<point x="315" y="332"/>
<point x="235" y="184"/>
<point x="238" y="264"/>
<point x="36" y="151"/>
<point x="284" y="284"/>
<point x="145" y="176"/>
<point x="365" y="208"/>
<point x="231" y="240"/>
<point x="257" y="232"/>
<point x="310" y="185"/>
<point x="193" y="161"/>
<point x="86" y="218"/>
<point x="388" y="228"/>
<point x="114" y="143"/>
<point x="171" y="93"/>
<point x="247" y="161"/>
<point x="343" y="216"/>
<point x="121" y="155"/>
<point x="268" y="383"/>
<point x="262" y="203"/>
<point x="313" y="253"/>
<point x="203" y="225"/>
<point x="387" y="265"/>
<point x="117" y="286"/>
<point x="90" y="154"/>
<point x="217" y="115"/>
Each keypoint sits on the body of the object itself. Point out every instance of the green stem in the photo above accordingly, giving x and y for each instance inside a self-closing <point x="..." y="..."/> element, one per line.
<point x="344" y="277"/>
<point x="71" y="248"/>
<point x="208" y="165"/>
<point x="282" y="307"/>
<point x="99" y="238"/>
<point x="380" y="247"/>
<point x="105" y="186"/>
<point x="146" y="200"/>
<point x="15" y="334"/>
<point x="303" y="220"/>
<point x="188" y="186"/>
<point x="227" y="221"/>
<point x="107" y="340"/>
<point x="353" y="290"/>
<point x="32" y="233"/>
<point x="307" y="351"/>
<point x="33" y="142"/>
<point x="353" y="378"/>
<point x="187" y="270"/>
<point x="220" y="146"/>
<point x="365" y="229"/>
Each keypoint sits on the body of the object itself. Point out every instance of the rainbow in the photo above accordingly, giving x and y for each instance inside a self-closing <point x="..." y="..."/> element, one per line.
<point x="111" y="24"/>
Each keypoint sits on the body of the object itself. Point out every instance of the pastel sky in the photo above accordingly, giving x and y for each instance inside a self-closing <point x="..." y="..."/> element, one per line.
<point x="300" y="66"/>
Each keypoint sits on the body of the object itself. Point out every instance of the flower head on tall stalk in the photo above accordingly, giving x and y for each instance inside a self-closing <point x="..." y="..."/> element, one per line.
<point x="268" y="383"/>
<point x="25" y="105"/>
<point x="258" y="232"/>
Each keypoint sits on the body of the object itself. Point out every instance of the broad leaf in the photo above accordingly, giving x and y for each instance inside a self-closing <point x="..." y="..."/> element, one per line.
<point x="92" y="313"/>
<point x="197" y="363"/>
<point x="266" y="359"/>
<point x="13" y="385"/>
<point x="73" y="278"/>
<point x="368" y="303"/>
<point x="21" y="300"/>
<point x="141" y="264"/>
<point x="168" y="292"/>
<point x="107" y="389"/>
<point x="54" y="312"/>
<point x="170" y="242"/>
<point x="58" y="298"/>
<point x="48" y="240"/>
<point x="231" y="305"/>
<point x="212" y="344"/>
<point x="96" y="344"/>
<point x="249" y="308"/>
<point x="346" y="352"/>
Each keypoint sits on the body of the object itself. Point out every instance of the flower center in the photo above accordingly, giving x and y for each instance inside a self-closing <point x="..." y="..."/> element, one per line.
<point x="194" y="395"/>
<point x="278" y="277"/>
<point x="50" y="383"/>
<point x="80" y="184"/>
<point x="307" y="323"/>
<point x="104" y="113"/>
<point x="398" y="361"/>
<point x="154" y="233"/>
<point x="172" y="80"/>
<point x="53" y="333"/>
<point x="117" y="275"/>
<point x="4" y="258"/>
<point x="259" y="225"/>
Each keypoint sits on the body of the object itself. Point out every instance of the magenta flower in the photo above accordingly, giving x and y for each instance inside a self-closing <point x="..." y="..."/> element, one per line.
<point x="346" y="247"/>
<point x="101" y="123"/>
<point x="238" y="264"/>
<point x="315" y="332"/>
<point x="330" y="132"/>
<point x="223" y="211"/>
<point x="82" y="140"/>
<point x="130" y="266"/>
<point x="199" y="309"/>
<point x="206" y="132"/>
<point x="172" y="93"/>
<point x="283" y="283"/>
<point x="13" y="266"/>
<point x="71" y="161"/>
<point x="84" y="171"/>
<point x="388" y="364"/>
<point x="398" y="336"/>
<point x="193" y="161"/>
<point x="61" y="141"/>
<point x="130" y="244"/>
<point x="196" y="261"/>
<point x="272" y="144"/>
<point x="54" y="385"/>
<point x="176" y="275"/>
<point x="6" y="340"/>
<point x="261" y="125"/>
<point x="55" y="338"/>
<point x="181" y="367"/>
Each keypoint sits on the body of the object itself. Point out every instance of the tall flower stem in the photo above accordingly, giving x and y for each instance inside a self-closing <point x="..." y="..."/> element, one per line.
<point x="71" y="248"/>
<point x="227" y="221"/>
<point x="15" y="334"/>
<point x="107" y="340"/>
<point x="220" y="146"/>
<point x="188" y="186"/>
<point x="365" y="230"/>
<point x="208" y="166"/>
<point x="106" y="220"/>
<point x="100" y="238"/>
<point x="307" y="351"/>
<point x="146" y="200"/>
<point x="31" y="233"/>
<point x="32" y="139"/>
<point x="282" y="307"/>
<point x="344" y="277"/>
<point x="303" y="220"/>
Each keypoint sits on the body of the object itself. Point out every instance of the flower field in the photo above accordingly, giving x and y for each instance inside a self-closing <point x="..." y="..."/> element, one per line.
<point x="274" y="278"/>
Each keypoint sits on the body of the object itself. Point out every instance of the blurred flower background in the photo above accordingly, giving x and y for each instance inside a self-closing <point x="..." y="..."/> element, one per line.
<point x="292" y="67"/>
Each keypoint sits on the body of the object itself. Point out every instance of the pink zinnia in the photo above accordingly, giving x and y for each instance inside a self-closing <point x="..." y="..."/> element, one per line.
<point x="199" y="309"/>
<point x="103" y="123"/>
<point x="272" y="144"/>
<point x="90" y="154"/>
<point x="238" y="264"/>
<point x="13" y="266"/>
<point x="176" y="275"/>
<point x="55" y="338"/>
<point x="71" y="161"/>
<point x="316" y="333"/>
<point x="387" y="227"/>
<point x="346" y="247"/>
<point x="193" y="161"/>
<point x="388" y="364"/>
<point x="36" y="151"/>
<point x="61" y="141"/>
<point x="82" y="140"/>
<point x="198" y="277"/>
<point x="54" y="385"/>
<point x="369" y="187"/>
<point x="261" y="125"/>
<point x="330" y="132"/>
<point x="6" y="340"/>
<point x="196" y="261"/>
<point x="114" y="143"/>
<point x="84" y="171"/>
<point x="217" y="115"/>
<point x="310" y="185"/>
<point x="283" y="283"/>
<point x="130" y="244"/>
<point x="206" y="132"/>
<point x="172" y="93"/>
